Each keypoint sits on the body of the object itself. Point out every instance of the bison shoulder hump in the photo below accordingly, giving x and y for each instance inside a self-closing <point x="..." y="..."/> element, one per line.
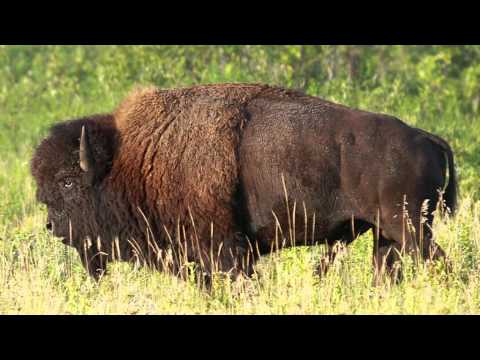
<point x="142" y="104"/>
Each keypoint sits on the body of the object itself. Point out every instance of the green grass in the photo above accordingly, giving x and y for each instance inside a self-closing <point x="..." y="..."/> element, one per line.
<point x="43" y="85"/>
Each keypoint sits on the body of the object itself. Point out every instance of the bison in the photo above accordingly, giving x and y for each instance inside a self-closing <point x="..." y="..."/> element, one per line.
<point x="218" y="175"/>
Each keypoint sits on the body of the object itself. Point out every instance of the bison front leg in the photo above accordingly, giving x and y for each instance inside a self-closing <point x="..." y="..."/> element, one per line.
<point x="327" y="260"/>
<point x="232" y="261"/>
<point x="93" y="260"/>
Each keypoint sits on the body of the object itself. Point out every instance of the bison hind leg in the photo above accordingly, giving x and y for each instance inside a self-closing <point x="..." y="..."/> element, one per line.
<point x="342" y="236"/>
<point x="386" y="258"/>
<point x="433" y="252"/>
<point x="393" y="241"/>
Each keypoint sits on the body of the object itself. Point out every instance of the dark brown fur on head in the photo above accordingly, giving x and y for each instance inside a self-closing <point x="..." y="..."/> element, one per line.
<point x="70" y="195"/>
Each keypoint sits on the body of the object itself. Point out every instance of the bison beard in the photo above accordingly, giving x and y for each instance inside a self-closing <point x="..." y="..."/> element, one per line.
<point x="210" y="174"/>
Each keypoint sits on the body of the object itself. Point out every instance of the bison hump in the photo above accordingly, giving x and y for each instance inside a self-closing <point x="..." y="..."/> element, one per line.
<point x="179" y="149"/>
<point x="143" y="104"/>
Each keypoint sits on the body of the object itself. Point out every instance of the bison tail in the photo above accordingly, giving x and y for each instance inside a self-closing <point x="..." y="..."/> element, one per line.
<point x="450" y="193"/>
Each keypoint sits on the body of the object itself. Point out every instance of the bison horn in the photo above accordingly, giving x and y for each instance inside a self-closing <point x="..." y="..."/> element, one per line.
<point x="86" y="158"/>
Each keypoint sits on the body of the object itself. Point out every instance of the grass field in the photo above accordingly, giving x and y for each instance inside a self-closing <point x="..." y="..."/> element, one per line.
<point x="435" y="88"/>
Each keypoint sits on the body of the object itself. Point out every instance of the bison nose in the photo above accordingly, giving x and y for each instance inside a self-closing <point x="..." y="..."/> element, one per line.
<point x="49" y="226"/>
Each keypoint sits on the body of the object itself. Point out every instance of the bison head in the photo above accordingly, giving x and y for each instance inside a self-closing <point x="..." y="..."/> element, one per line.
<point x="69" y="167"/>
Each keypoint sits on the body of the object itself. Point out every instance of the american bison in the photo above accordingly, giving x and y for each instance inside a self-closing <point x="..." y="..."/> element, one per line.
<point x="218" y="175"/>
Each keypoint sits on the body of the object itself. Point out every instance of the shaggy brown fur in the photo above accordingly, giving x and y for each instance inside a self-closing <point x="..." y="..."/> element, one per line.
<point x="195" y="173"/>
<point x="187" y="169"/>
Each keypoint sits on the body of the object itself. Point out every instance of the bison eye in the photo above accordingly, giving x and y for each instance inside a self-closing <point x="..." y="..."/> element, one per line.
<point x="67" y="183"/>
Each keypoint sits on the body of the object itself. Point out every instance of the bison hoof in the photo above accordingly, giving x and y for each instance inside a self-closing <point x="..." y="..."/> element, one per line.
<point x="322" y="267"/>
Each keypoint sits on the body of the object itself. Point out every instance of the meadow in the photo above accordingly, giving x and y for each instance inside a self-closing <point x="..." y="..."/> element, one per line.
<point x="436" y="88"/>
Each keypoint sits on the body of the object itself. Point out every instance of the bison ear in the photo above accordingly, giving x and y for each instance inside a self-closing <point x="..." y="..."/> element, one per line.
<point x="87" y="161"/>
